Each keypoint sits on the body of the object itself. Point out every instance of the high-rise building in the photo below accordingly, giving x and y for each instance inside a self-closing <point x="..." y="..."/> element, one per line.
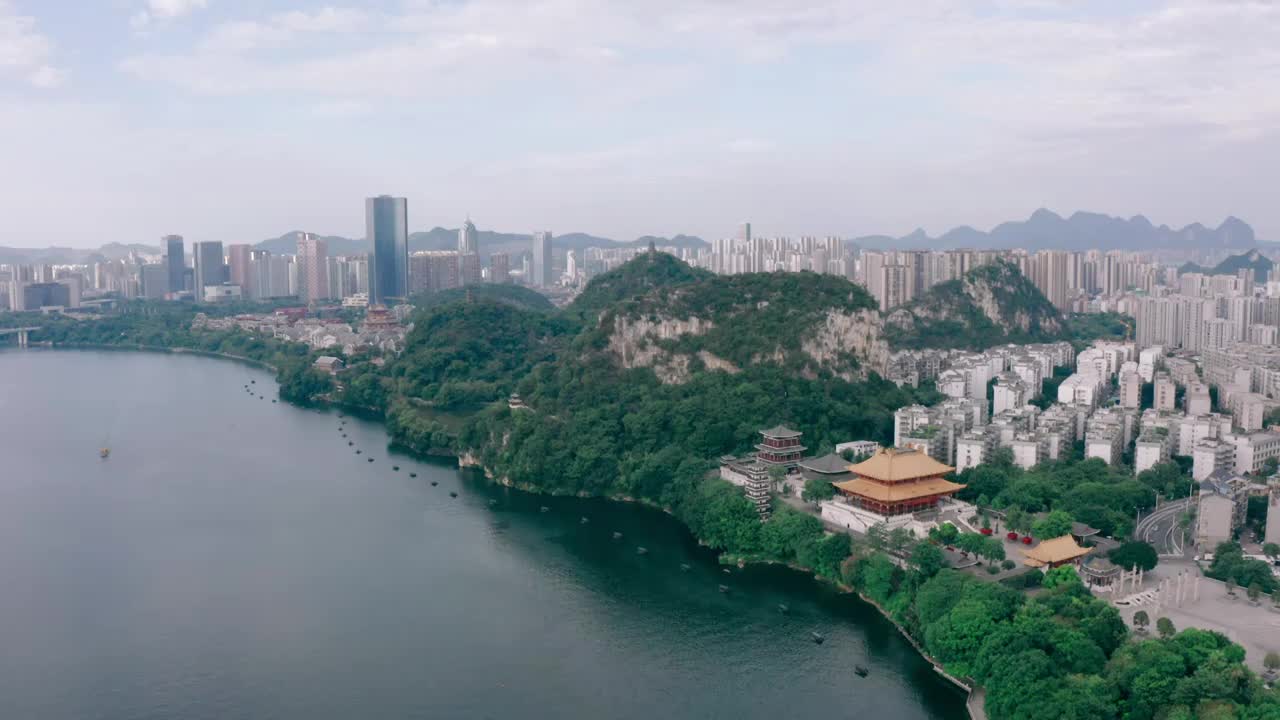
<point x="176" y="262"/>
<point x="500" y="268"/>
<point x="467" y="239"/>
<point x="541" y="259"/>
<point x="387" y="230"/>
<point x="259" y="275"/>
<point x="313" y="271"/>
<point x="155" y="280"/>
<point x="238" y="258"/>
<point x="208" y="267"/>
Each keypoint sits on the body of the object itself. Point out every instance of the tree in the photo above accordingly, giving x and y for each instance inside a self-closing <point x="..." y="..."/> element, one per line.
<point x="1254" y="591"/>
<point x="992" y="549"/>
<point x="1230" y="583"/>
<point x="777" y="475"/>
<point x="1271" y="550"/>
<point x="877" y="536"/>
<point x="927" y="559"/>
<point x="1164" y="626"/>
<point x="1140" y="620"/>
<point x="1055" y="524"/>
<point x="1017" y="520"/>
<point x="971" y="543"/>
<point x="1060" y="576"/>
<point x="816" y="490"/>
<point x="946" y="533"/>
<point x="1135" y="553"/>
<point x="899" y="540"/>
<point x="1271" y="662"/>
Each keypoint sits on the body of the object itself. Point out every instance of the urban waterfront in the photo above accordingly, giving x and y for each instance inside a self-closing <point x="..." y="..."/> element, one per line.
<point x="234" y="557"/>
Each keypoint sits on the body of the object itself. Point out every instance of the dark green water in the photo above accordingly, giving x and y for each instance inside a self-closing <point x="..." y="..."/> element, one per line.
<point x="234" y="558"/>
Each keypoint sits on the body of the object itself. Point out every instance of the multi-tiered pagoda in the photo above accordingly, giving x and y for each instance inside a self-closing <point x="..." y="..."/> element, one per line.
<point x="897" y="481"/>
<point x="780" y="446"/>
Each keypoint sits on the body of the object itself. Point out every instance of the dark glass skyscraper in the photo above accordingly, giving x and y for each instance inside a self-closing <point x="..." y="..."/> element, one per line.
<point x="176" y="261"/>
<point x="387" y="229"/>
<point x="209" y="267"/>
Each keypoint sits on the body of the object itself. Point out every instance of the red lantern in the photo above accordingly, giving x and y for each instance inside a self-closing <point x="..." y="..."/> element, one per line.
<point x="1012" y="536"/>
<point x="1026" y="540"/>
<point x="985" y="531"/>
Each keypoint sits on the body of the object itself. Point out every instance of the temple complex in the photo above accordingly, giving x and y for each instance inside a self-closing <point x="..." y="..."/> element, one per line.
<point x="898" y="481"/>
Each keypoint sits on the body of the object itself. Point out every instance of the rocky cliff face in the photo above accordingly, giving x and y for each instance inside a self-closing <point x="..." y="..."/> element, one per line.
<point x="848" y="344"/>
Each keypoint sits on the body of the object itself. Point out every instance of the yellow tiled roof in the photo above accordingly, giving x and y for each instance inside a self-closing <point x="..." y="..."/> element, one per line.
<point x="1055" y="550"/>
<point x="895" y="464"/>
<point x="897" y="492"/>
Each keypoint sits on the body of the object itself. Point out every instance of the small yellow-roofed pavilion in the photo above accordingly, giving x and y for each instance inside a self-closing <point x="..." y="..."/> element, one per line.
<point x="1054" y="552"/>
<point x="896" y="481"/>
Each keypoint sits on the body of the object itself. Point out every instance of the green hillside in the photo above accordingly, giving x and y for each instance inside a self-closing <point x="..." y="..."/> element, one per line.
<point x="991" y="305"/>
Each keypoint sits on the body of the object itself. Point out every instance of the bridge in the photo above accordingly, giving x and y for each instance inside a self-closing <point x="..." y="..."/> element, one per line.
<point x="21" y="332"/>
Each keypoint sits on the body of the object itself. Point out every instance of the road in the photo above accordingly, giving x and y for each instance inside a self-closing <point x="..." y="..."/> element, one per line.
<point x="1161" y="529"/>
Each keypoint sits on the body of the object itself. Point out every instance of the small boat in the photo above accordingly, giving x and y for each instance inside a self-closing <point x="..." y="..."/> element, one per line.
<point x="544" y="508"/>
<point x="413" y="474"/>
<point x="726" y="571"/>
<point x="492" y="503"/>
<point x="453" y="494"/>
<point x="817" y="637"/>
<point x="350" y="443"/>
<point x="784" y="608"/>
<point x="395" y="468"/>
<point x="617" y="535"/>
<point x="370" y="459"/>
<point x="642" y="550"/>
<point x="104" y="453"/>
<point x="860" y="671"/>
<point x="584" y="520"/>
<point x="684" y="567"/>
<point x="434" y="483"/>
<point x="724" y="588"/>
<point x="253" y="381"/>
<point x="273" y="401"/>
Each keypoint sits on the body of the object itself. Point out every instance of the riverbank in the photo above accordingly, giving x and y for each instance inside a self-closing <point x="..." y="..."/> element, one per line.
<point x="166" y="350"/>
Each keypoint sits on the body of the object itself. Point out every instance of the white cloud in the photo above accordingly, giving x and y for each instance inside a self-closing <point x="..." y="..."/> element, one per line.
<point x="24" y="51"/>
<point x="162" y="10"/>
<point x="47" y="76"/>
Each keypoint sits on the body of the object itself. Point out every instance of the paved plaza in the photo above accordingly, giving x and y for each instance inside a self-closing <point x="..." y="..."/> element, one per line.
<point x="1255" y="628"/>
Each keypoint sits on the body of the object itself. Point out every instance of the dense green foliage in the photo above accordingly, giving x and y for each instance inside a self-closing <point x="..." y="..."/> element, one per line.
<point x="1230" y="564"/>
<point x="471" y="353"/>
<point x="1135" y="553"/>
<point x="949" y="314"/>
<point x="507" y="294"/>
<point x="1088" y="491"/>
<point x="1084" y="328"/>
<point x="1061" y="654"/>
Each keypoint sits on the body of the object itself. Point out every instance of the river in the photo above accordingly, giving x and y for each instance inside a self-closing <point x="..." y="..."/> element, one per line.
<point x="235" y="558"/>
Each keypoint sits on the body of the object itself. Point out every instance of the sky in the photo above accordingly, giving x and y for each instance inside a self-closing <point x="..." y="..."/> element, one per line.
<point x="239" y="120"/>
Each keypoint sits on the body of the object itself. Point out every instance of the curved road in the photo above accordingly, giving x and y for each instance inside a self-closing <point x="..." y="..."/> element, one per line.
<point x="1161" y="530"/>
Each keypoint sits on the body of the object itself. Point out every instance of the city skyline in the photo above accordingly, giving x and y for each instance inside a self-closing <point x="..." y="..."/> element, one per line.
<point x="816" y="118"/>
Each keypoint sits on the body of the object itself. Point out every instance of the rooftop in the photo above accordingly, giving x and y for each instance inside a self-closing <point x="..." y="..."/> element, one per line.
<point x="897" y="492"/>
<point x="780" y="431"/>
<point x="1056" y="550"/>
<point x="897" y="464"/>
<point x="827" y="464"/>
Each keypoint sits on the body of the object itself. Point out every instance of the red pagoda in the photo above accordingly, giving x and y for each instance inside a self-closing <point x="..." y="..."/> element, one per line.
<point x="780" y="446"/>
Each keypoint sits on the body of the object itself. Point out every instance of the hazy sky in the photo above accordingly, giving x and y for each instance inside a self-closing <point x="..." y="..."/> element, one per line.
<point x="236" y="120"/>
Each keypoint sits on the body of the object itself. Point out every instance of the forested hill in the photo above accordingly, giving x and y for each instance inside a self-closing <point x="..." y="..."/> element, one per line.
<point x="658" y="312"/>
<point x="507" y="294"/>
<point x="990" y="305"/>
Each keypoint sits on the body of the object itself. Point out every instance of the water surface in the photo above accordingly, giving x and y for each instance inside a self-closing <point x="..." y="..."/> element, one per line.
<point x="234" y="558"/>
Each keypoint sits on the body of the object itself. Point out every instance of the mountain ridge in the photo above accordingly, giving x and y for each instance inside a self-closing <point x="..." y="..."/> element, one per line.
<point x="1046" y="230"/>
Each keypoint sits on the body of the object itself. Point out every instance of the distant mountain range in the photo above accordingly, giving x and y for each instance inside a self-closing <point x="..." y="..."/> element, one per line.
<point x="489" y="241"/>
<point x="1046" y="230"/>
